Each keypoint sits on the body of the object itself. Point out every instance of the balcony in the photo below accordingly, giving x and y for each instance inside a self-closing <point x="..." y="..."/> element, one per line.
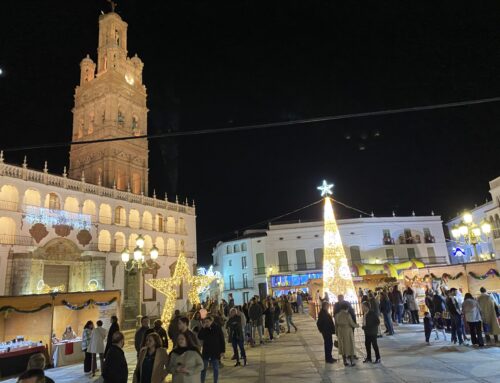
<point x="106" y="248"/>
<point x="260" y="271"/>
<point x="308" y="266"/>
<point x="21" y="240"/>
<point x="409" y="240"/>
<point x="429" y="239"/>
<point x="239" y="286"/>
<point x="388" y="241"/>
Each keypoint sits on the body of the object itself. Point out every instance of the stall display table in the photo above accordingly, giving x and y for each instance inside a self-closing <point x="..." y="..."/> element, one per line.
<point x="67" y="352"/>
<point x="14" y="362"/>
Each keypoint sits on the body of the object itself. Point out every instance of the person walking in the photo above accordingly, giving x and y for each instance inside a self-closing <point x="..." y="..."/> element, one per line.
<point x="409" y="298"/>
<point x="345" y="333"/>
<point x="255" y="313"/>
<point x="276" y="317"/>
<point x="183" y="325"/>
<point x="112" y="329"/>
<point x="472" y="314"/>
<point x="86" y="337"/>
<point x="371" y="323"/>
<point x="397" y="304"/>
<point x="236" y="337"/>
<point x="300" y="302"/>
<point x="115" y="368"/>
<point x="214" y="346"/>
<point x="173" y="327"/>
<point x="97" y="345"/>
<point x="185" y="362"/>
<point x="429" y="302"/>
<point x="327" y="328"/>
<point x="269" y="318"/>
<point x="140" y="334"/>
<point x="489" y="314"/>
<point x="157" y="327"/>
<point x="152" y="364"/>
<point x="287" y="309"/>
<point x="386" y="310"/>
<point x="455" y="317"/>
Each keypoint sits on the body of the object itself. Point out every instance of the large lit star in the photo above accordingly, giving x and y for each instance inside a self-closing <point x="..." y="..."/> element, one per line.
<point x="325" y="189"/>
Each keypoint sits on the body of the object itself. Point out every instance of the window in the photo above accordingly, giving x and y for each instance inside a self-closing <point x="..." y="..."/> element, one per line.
<point x="283" y="261"/>
<point x="53" y="202"/>
<point x="301" y="260"/>
<point x="428" y="237"/>
<point x="229" y="249"/>
<point x="318" y="258"/>
<point x="243" y="246"/>
<point x="411" y="252"/>
<point x="261" y="265"/>
<point x="355" y="254"/>
<point x="231" y="282"/>
<point x="408" y="237"/>
<point x="230" y="263"/>
<point x="245" y="280"/>
<point x="389" y="254"/>
<point x="236" y="248"/>
<point x="431" y="254"/>
<point x="387" y="237"/>
<point x="243" y="262"/>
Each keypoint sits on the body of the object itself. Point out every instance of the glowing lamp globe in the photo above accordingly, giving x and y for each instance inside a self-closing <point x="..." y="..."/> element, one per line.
<point x="455" y="232"/>
<point x="140" y="241"/>
<point x="467" y="217"/>
<point x="137" y="254"/>
<point x="153" y="253"/>
<point x="486" y="227"/>
<point x="476" y="231"/>
<point x="463" y="230"/>
<point x="125" y="256"/>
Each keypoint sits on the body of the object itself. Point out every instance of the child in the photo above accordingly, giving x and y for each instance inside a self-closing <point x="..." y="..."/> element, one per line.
<point x="428" y="326"/>
<point x="439" y="325"/>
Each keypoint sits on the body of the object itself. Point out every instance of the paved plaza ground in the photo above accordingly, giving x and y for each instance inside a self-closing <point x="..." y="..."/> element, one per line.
<point x="299" y="358"/>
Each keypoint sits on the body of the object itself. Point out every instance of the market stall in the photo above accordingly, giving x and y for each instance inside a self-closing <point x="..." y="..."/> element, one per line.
<point x="35" y="318"/>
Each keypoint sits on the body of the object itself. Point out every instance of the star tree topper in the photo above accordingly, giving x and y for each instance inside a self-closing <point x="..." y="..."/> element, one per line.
<point x="325" y="189"/>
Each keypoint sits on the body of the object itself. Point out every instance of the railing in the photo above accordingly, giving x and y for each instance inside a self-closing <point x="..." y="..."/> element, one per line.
<point x="70" y="184"/>
<point x="21" y="240"/>
<point x="107" y="248"/>
<point x="307" y="266"/>
<point x="284" y="268"/>
<point x="9" y="205"/>
<point x="260" y="270"/>
<point x="239" y="286"/>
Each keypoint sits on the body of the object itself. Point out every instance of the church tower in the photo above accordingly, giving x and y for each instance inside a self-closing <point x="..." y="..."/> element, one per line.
<point x="110" y="103"/>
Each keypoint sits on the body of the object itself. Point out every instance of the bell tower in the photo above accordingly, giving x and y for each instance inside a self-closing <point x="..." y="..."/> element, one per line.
<point x="110" y="102"/>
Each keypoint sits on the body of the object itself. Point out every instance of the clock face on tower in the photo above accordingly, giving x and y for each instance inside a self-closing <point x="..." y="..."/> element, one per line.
<point x="129" y="78"/>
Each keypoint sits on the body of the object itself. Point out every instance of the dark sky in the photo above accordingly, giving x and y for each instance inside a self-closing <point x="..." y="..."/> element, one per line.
<point x="214" y="64"/>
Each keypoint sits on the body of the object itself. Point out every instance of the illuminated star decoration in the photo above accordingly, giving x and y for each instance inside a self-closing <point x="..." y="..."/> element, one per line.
<point x="325" y="189"/>
<point x="168" y="286"/>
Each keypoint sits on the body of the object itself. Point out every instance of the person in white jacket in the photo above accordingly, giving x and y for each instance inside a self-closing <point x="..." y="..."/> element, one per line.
<point x="97" y="345"/>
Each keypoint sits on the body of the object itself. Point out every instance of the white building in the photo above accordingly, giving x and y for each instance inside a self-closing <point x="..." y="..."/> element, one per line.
<point x="289" y="254"/>
<point x="70" y="230"/>
<point x="489" y="245"/>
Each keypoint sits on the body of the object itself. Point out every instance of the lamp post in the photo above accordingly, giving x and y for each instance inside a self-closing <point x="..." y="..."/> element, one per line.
<point x="138" y="263"/>
<point x="471" y="232"/>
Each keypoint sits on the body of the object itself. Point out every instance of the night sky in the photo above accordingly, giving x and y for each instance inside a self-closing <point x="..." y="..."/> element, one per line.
<point x="215" y="64"/>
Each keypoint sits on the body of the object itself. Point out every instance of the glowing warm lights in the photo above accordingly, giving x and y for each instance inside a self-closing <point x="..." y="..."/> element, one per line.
<point x="337" y="278"/>
<point x="467" y="217"/>
<point x="168" y="286"/>
<point x="486" y="228"/>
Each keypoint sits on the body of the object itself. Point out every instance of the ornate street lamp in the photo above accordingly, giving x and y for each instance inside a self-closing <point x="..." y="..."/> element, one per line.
<point x="470" y="232"/>
<point x="138" y="264"/>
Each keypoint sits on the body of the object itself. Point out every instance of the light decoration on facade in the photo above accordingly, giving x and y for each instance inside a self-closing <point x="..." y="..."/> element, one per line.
<point x="337" y="277"/>
<point x="169" y="286"/>
<point x="51" y="217"/>
<point x="93" y="285"/>
<point x="210" y="272"/>
<point x="43" y="288"/>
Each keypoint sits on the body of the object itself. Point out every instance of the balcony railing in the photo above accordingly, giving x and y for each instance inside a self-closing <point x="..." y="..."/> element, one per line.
<point x="26" y="174"/>
<point x="308" y="266"/>
<point x="260" y="271"/>
<point x="106" y="248"/>
<point x="21" y="240"/>
<point x="239" y="286"/>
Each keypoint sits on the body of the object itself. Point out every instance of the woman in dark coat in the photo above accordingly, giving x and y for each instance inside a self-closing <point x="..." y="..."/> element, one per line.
<point x="327" y="329"/>
<point x="112" y="329"/>
<point x="269" y="318"/>
<point x="236" y="337"/>
<point x="370" y="327"/>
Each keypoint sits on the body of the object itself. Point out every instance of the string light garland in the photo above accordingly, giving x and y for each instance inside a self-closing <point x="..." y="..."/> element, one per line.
<point x="337" y="277"/>
<point x="168" y="286"/>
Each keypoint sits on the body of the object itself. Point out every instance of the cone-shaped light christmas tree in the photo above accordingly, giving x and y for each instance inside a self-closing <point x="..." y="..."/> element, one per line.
<point x="337" y="278"/>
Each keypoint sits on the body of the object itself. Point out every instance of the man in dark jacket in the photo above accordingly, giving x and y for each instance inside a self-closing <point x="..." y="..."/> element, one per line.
<point x="455" y="316"/>
<point x="173" y="327"/>
<point x="327" y="329"/>
<point x="112" y="329"/>
<point x="370" y="326"/>
<point x="139" y="334"/>
<point x="214" y="346"/>
<point x="161" y="332"/>
<point x="115" y="368"/>
<point x="255" y="313"/>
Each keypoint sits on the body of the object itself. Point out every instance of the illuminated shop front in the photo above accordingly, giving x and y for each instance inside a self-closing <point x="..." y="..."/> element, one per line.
<point x="282" y="284"/>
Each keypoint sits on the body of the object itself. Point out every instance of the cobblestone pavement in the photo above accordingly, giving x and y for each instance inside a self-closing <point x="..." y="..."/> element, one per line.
<point x="298" y="357"/>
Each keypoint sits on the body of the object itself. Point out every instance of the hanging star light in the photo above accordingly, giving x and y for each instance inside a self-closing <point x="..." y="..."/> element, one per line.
<point x="337" y="278"/>
<point x="325" y="189"/>
<point x="168" y="286"/>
